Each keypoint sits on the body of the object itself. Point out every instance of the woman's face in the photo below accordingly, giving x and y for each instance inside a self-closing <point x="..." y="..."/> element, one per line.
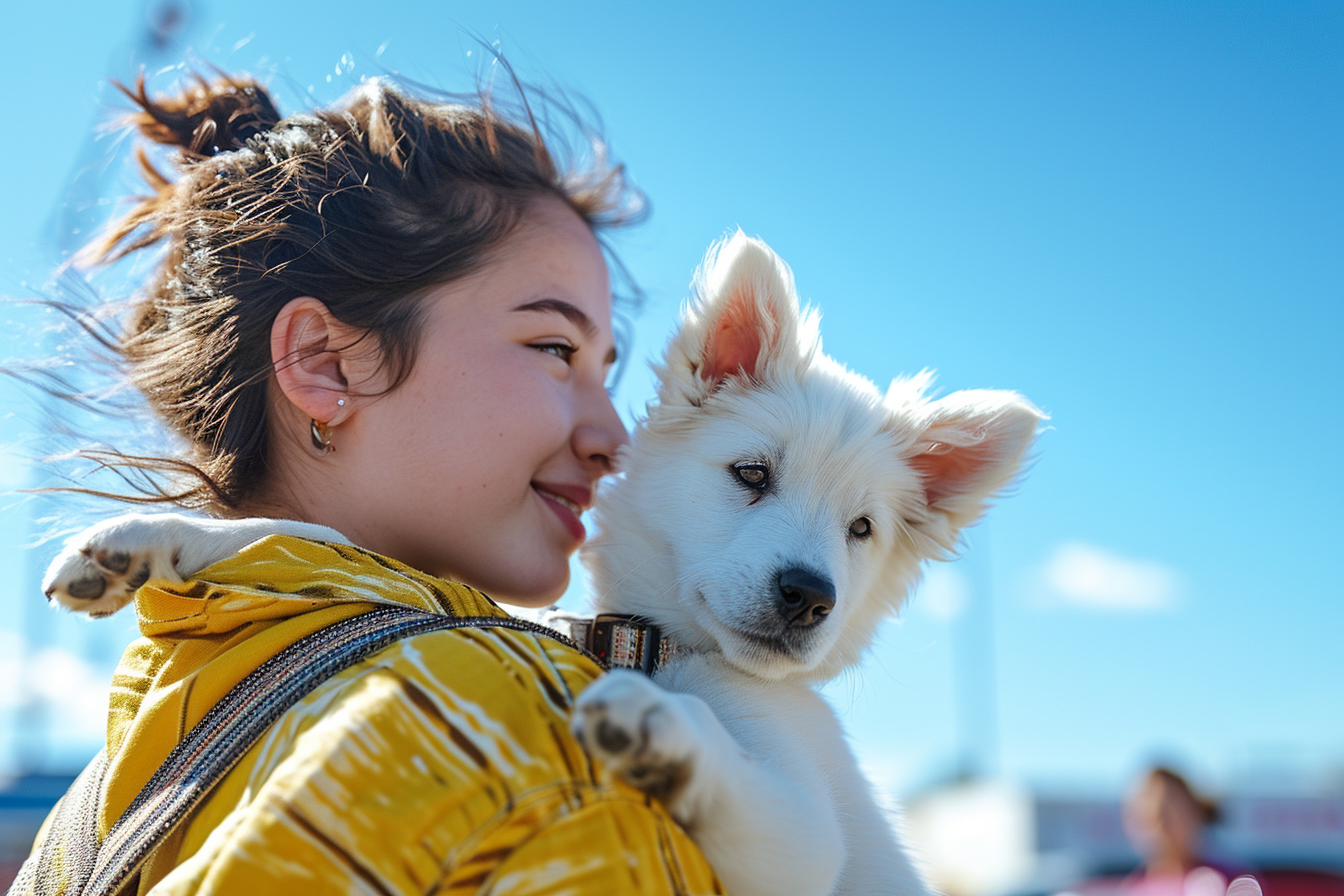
<point x="1163" y="820"/>
<point x="478" y="465"/>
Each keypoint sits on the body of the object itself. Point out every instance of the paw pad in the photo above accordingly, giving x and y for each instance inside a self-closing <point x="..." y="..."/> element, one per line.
<point x="113" y="561"/>
<point x="89" y="586"/>
<point x="612" y="738"/>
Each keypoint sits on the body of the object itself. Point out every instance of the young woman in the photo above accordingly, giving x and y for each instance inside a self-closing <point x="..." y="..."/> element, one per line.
<point x="392" y="318"/>
<point x="1166" y="821"/>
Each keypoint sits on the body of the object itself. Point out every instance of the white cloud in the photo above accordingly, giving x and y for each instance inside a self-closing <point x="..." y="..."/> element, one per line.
<point x="71" y="693"/>
<point x="75" y="694"/>
<point x="1087" y="576"/>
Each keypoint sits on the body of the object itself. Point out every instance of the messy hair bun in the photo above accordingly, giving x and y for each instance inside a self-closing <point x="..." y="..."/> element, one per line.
<point x="206" y="119"/>
<point x="365" y="206"/>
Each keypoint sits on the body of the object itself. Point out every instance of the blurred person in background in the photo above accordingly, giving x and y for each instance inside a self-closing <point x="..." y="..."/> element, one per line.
<point x="1166" y="820"/>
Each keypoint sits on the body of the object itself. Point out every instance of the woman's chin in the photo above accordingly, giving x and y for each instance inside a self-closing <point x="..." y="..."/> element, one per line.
<point x="540" y="590"/>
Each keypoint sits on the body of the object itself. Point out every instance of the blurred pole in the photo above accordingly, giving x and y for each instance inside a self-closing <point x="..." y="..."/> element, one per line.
<point x="975" y="678"/>
<point x="82" y="208"/>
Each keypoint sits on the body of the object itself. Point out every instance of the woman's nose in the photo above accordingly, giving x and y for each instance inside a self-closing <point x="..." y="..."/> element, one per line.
<point x="600" y="434"/>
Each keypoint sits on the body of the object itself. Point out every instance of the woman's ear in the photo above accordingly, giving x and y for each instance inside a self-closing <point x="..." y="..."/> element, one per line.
<point x="309" y="349"/>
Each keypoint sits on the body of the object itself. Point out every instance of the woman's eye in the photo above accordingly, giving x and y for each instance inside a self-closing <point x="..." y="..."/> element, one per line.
<point x="861" y="527"/>
<point x="562" y="350"/>
<point x="753" y="475"/>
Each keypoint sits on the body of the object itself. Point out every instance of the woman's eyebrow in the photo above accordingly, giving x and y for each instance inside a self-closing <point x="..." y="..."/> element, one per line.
<point x="572" y="313"/>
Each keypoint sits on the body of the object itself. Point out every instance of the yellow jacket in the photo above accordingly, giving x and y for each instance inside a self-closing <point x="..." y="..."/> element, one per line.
<point x="443" y="764"/>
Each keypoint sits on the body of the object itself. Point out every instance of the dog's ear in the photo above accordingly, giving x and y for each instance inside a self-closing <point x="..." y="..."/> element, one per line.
<point x="742" y="321"/>
<point x="967" y="447"/>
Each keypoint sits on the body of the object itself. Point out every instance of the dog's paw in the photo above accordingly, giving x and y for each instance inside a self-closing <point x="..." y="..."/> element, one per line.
<point x="642" y="732"/>
<point x="99" y="570"/>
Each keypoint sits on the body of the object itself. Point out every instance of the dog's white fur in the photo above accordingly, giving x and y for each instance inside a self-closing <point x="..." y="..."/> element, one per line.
<point x="735" y="737"/>
<point x="860" y="488"/>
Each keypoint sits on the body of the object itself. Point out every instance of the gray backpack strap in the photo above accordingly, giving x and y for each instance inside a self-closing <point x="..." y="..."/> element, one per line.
<point x="75" y="816"/>
<point x="207" y="753"/>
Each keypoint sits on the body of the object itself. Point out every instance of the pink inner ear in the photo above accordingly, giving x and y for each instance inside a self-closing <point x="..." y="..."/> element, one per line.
<point x="734" y="345"/>
<point x="953" y="472"/>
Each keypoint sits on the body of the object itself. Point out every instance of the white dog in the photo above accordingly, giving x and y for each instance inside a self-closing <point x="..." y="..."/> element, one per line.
<point x="773" y="509"/>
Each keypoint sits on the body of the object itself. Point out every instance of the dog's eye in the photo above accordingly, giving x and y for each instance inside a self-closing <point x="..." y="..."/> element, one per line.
<point x="752" y="474"/>
<point x="861" y="527"/>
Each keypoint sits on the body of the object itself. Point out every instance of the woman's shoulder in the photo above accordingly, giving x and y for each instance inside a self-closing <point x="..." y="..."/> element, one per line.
<point x="437" y="765"/>
<point x="456" y="741"/>
<point x="443" y="759"/>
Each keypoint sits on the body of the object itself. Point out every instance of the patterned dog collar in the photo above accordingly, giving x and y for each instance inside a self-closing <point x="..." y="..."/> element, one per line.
<point x="626" y="642"/>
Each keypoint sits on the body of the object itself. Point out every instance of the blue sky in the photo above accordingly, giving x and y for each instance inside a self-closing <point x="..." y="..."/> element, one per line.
<point x="1132" y="212"/>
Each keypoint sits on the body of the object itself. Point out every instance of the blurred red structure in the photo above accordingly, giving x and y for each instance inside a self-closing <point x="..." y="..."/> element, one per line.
<point x="1301" y="883"/>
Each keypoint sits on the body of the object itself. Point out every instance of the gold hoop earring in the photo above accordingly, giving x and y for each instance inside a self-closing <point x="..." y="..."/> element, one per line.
<point x="321" y="436"/>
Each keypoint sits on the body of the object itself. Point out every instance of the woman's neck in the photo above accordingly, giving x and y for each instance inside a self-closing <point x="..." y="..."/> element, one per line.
<point x="1174" y="860"/>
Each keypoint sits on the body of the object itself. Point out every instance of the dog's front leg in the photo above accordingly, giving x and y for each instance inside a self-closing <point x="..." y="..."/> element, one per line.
<point x="763" y="834"/>
<point x="100" y="568"/>
<point x="877" y="862"/>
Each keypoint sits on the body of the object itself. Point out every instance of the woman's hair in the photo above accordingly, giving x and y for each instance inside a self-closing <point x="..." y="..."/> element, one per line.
<point x="1176" y="783"/>
<point x="365" y="206"/>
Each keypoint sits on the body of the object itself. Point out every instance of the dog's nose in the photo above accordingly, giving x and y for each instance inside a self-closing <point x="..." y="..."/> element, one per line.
<point x="804" y="597"/>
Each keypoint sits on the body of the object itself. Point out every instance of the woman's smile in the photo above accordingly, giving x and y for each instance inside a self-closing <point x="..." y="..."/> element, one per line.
<point x="569" y="509"/>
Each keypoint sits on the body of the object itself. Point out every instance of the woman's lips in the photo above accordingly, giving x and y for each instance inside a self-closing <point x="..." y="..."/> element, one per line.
<point x="566" y="509"/>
